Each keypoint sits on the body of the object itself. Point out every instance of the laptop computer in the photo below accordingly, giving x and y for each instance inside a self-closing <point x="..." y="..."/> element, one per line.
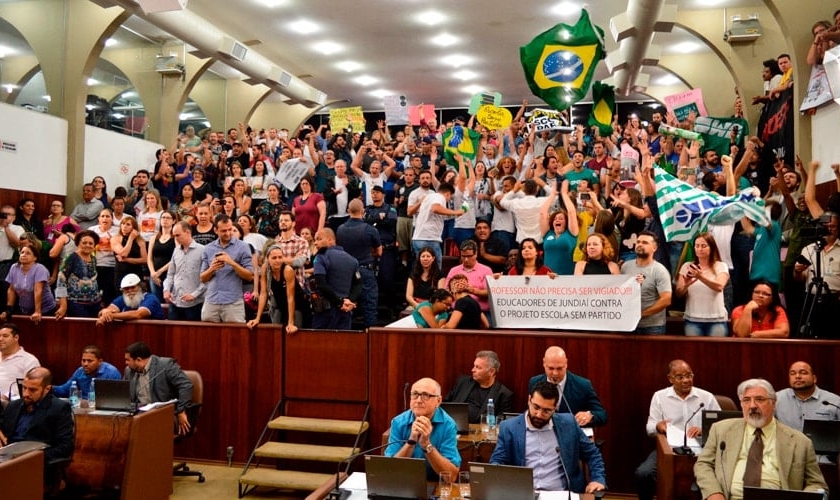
<point x="113" y="395"/>
<point x="501" y="482"/>
<point x="825" y="434"/>
<point x="460" y="413"/>
<point x="709" y="417"/>
<point x="752" y="493"/>
<point x="391" y="477"/>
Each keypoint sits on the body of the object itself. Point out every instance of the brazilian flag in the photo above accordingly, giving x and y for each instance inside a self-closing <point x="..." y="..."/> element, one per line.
<point x="603" y="104"/>
<point x="559" y="63"/>
<point x="460" y="139"/>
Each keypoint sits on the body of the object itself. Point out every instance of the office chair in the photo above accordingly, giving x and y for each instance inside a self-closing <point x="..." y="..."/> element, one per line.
<point x="193" y="411"/>
<point x="726" y="403"/>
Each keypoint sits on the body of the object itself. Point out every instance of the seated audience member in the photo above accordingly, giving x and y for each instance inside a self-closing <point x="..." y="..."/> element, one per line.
<point x="670" y="407"/>
<point x="156" y="379"/>
<point x="40" y="416"/>
<point x="577" y="396"/>
<point x="550" y="443"/>
<point x="492" y="250"/>
<point x="433" y="313"/>
<point x="424" y="278"/>
<point x="466" y="313"/>
<point x="475" y="274"/>
<point x="763" y="316"/>
<point x="528" y="261"/>
<point x="133" y="304"/>
<point x="15" y="362"/>
<point x="762" y="451"/>
<point x="93" y="367"/>
<point x="482" y="385"/>
<point x="600" y="257"/>
<point x="803" y="400"/>
<point x="426" y="431"/>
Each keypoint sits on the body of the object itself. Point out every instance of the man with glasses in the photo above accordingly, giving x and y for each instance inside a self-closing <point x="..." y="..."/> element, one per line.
<point x="756" y="451"/>
<point x="476" y="274"/>
<point x="133" y="304"/>
<point x="670" y="407"/>
<point x="424" y="431"/>
<point x="552" y="444"/>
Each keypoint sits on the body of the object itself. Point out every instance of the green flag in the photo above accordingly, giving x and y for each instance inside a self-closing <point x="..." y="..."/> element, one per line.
<point x="603" y="104"/>
<point x="559" y="63"/>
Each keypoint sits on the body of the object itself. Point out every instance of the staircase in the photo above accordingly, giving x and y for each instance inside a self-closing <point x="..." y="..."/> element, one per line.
<point x="287" y="458"/>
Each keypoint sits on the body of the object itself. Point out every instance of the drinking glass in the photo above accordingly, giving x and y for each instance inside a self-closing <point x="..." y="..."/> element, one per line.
<point x="445" y="485"/>
<point x="464" y="484"/>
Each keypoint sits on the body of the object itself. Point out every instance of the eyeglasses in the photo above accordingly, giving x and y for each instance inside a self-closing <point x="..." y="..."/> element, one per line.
<point x="467" y="256"/>
<point x="423" y="396"/>
<point x="763" y="294"/>
<point x="540" y="410"/>
<point x="680" y="378"/>
<point x="760" y="400"/>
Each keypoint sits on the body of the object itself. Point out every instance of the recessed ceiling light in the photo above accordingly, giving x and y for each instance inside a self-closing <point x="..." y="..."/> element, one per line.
<point x="566" y="9"/>
<point x="303" y="26"/>
<point x="271" y="4"/>
<point x="380" y="93"/>
<point x="686" y="47"/>
<point x="327" y="48"/>
<point x="10" y="87"/>
<point x="365" y="80"/>
<point x="457" y="60"/>
<point x="464" y="74"/>
<point x="667" y="80"/>
<point x="445" y="40"/>
<point x="430" y="17"/>
<point x="184" y="116"/>
<point x="92" y="81"/>
<point x="110" y="42"/>
<point x="46" y="98"/>
<point x="349" y="66"/>
<point x="473" y="89"/>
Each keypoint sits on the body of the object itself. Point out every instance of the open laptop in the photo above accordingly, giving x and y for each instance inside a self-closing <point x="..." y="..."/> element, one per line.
<point x="751" y="493"/>
<point x="501" y="482"/>
<point x="391" y="477"/>
<point x="113" y="395"/>
<point x="460" y="413"/>
<point x="710" y="417"/>
<point x="825" y="434"/>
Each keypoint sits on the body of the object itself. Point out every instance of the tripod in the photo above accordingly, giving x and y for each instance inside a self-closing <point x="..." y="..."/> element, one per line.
<point x="815" y="296"/>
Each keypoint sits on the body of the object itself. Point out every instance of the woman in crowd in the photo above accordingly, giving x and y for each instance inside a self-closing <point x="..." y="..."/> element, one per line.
<point x="100" y="190"/>
<point x="702" y="282"/>
<point x="160" y="252"/>
<point x="463" y="227"/>
<point x="236" y="172"/>
<point x="26" y="218"/>
<point x="228" y="206"/>
<point x="309" y="208"/>
<point x="202" y="190"/>
<point x="76" y="289"/>
<point x="63" y="246"/>
<point x="529" y="262"/>
<point x="630" y="216"/>
<point x="241" y="197"/>
<point x="268" y="212"/>
<point x="149" y="219"/>
<point x="278" y="288"/>
<point x="599" y="257"/>
<point x="483" y="205"/>
<point x="560" y="231"/>
<point x="203" y="232"/>
<point x="505" y="167"/>
<point x="424" y="278"/>
<point x="258" y="182"/>
<point x="433" y="313"/>
<point x="605" y="224"/>
<point x="56" y="221"/>
<point x="256" y="240"/>
<point x="186" y="205"/>
<point x="129" y="250"/>
<point x="117" y="208"/>
<point x="29" y="289"/>
<point x="466" y="313"/>
<point x="106" y="234"/>
<point x="763" y="316"/>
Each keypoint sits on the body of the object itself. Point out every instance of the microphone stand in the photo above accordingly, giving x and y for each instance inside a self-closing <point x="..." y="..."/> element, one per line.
<point x="339" y="494"/>
<point x="685" y="449"/>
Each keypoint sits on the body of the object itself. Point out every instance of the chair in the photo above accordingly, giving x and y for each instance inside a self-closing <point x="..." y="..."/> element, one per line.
<point x="193" y="411"/>
<point x="726" y="403"/>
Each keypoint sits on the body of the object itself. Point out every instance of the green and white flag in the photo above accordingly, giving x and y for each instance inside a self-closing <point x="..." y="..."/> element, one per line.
<point x="686" y="211"/>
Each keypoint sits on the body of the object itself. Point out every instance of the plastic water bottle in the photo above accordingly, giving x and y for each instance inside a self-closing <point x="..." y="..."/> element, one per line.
<point x="74" y="395"/>
<point x="92" y="395"/>
<point x="491" y="415"/>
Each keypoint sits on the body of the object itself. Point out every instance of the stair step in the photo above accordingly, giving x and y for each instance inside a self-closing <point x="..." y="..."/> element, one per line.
<point x="285" y="479"/>
<point x="352" y="427"/>
<point x="297" y="451"/>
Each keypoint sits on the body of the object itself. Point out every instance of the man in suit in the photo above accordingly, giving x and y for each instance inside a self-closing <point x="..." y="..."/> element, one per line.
<point x="577" y="396"/>
<point x="481" y="386"/>
<point x="155" y="379"/>
<point x="550" y="443"/>
<point x="757" y="451"/>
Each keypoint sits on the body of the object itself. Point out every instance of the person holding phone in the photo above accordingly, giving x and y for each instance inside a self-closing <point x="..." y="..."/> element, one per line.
<point x="701" y="282"/>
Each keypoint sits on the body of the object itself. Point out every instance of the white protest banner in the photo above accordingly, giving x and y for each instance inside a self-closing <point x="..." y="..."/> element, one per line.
<point x="683" y="103"/>
<point x="604" y="303"/>
<point x="396" y="109"/>
<point x="547" y="119"/>
<point x="290" y="173"/>
<point x="819" y="91"/>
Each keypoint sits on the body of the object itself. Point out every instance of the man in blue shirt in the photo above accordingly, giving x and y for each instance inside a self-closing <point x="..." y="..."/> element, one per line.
<point x="134" y="303"/>
<point x="424" y="431"/>
<point x="225" y="264"/>
<point x="93" y="366"/>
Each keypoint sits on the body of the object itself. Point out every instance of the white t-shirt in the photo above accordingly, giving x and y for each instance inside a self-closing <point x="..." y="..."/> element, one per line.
<point x="429" y="225"/>
<point x="370" y="182"/>
<point x="703" y="304"/>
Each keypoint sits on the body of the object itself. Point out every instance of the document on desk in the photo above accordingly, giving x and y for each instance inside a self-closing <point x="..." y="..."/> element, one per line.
<point x="676" y="437"/>
<point x="557" y="495"/>
<point x="152" y="406"/>
<point x="355" y="481"/>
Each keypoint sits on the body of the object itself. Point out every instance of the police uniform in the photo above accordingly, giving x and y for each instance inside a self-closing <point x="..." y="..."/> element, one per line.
<point x="358" y="239"/>
<point x="384" y="220"/>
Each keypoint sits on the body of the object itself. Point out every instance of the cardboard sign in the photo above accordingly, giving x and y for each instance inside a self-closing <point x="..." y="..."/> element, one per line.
<point x="493" y="117"/>
<point x="683" y="103"/>
<point x="414" y="113"/>
<point x="344" y="117"/>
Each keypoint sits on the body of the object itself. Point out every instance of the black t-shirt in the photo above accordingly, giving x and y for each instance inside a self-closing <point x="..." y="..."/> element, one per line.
<point x="493" y="246"/>
<point x="470" y="313"/>
<point x="403" y="192"/>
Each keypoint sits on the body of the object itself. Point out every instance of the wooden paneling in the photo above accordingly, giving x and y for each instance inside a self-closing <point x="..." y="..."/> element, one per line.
<point x="42" y="201"/>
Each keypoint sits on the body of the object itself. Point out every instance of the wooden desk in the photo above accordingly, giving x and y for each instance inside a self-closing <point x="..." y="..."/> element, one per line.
<point x="674" y="473"/>
<point x="124" y="452"/>
<point x="23" y="476"/>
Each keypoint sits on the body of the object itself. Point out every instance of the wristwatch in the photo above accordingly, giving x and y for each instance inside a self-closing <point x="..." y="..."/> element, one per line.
<point x="428" y="449"/>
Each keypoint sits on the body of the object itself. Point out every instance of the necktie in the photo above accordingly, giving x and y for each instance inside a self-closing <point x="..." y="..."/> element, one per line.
<point x="752" y="473"/>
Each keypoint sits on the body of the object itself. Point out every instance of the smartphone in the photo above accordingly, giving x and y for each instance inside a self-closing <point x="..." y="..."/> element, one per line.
<point x="803" y="260"/>
<point x="219" y="254"/>
<point x="690" y="171"/>
<point x="585" y="196"/>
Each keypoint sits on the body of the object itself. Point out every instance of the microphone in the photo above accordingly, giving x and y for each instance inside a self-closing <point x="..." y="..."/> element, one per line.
<point x="338" y="493"/>
<point x="829" y="403"/>
<point x="723" y="469"/>
<point x="565" y="471"/>
<point x="685" y="449"/>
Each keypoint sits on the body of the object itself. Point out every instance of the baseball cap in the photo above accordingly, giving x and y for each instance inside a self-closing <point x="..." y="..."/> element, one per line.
<point x="377" y="188"/>
<point x="129" y="281"/>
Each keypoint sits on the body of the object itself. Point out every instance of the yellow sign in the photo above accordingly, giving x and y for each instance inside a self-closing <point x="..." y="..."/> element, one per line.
<point x="344" y="117"/>
<point x="493" y="117"/>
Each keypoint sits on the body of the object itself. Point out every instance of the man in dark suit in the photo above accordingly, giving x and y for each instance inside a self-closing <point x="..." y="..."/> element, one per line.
<point x="757" y="451"/>
<point x="577" y="396"/>
<point x="155" y="379"/>
<point x="522" y="442"/>
<point x="481" y="386"/>
<point x="39" y="416"/>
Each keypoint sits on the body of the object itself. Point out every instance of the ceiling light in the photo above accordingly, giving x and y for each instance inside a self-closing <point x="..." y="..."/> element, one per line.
<point x="10" y="87"/>
<point x="92" y="81"/>
<point x="272" y="3"/>
<point x="327" y="48"/>
<point x="4" y="51"/>
<point x="457" y="60"/>
<point x="303" y="27"/>
<point x="464" y="74"/>
<point x="184" y="116"/>
<point x="431" y="17"/>
<point x="380" y="93"/>
<point x="667" y="80"/>
<point x="365" y="80"/>
<point x="444" y="40"/>
<point x="686" y="47"/>
<point x="566" y="9"/>
<point x="47" y="98"/>
<point x="473" y="89"/>
<point x="110" y="42"/>
<point x="349" y="66"/>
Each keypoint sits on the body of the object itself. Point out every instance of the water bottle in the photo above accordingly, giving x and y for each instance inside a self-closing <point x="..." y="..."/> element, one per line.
<point x="491" y="415"/>
<point x="92" y="395"/>
<point x="74" y="395"/>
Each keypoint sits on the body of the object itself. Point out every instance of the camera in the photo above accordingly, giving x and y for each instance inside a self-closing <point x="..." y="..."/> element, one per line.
<point x="815" y="229"/>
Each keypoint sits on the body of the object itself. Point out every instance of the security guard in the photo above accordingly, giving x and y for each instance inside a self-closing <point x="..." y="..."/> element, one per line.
<point x="362" y="241"/>
<point x="383" y="217"/>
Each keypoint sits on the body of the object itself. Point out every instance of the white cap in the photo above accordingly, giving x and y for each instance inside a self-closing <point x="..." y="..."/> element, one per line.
<point x="130" y="280"/>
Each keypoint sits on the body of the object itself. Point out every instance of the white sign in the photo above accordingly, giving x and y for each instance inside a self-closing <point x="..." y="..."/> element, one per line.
<point x="290" y="173"/>
<point x="604" y="303"/>
<point x="547" y="119"/>
<point x="8" y="146"/>
<point x="396" y="109"/>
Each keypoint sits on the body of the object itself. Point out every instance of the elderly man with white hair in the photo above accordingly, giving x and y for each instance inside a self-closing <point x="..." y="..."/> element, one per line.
<point x="133" y="304"/>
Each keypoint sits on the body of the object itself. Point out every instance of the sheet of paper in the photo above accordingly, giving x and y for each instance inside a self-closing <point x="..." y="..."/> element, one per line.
<point x="675" y="438"/>
<point x="355" y="481"/>
<point x="557" y="495"/>
<point x="152" y="406"/>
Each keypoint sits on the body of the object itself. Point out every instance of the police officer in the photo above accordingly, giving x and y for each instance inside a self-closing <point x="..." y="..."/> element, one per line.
<point x="337" y="284"/>
<point x="383" y="217"/>
<point x="362" y="241"/>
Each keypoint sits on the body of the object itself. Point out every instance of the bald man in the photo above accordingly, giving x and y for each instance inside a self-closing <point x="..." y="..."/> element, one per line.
<point x="339" y="284"/>
<point x="425" y="431"/>
<point x="803" y="400"/>
<point x="577" y="396"/>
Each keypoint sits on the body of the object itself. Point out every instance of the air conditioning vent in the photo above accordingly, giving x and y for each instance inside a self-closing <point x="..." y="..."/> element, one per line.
<point x="232" y="48"/>
<point x="280" y="77"/>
